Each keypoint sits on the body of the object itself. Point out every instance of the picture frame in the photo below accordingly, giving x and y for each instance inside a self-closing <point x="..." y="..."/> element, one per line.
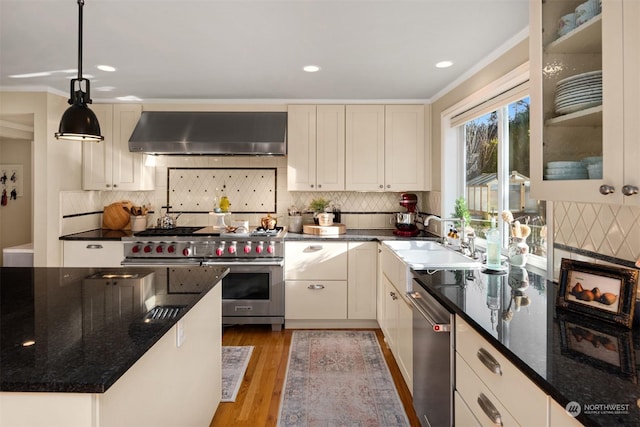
<point x="601" y="291"/>
<point x="603" y="346"/>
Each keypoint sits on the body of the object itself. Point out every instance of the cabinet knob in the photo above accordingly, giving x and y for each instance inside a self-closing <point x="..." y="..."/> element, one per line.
<point x="388" y="185"/>
<point x="115" y="185"/>
<point x="607" y="189"/>
<point x="108" y="185"/>
<point x="311" y="186"/>
<point x="381" y="186"/>
<point x="319" y="185"/>
<point x="629" y="190"/>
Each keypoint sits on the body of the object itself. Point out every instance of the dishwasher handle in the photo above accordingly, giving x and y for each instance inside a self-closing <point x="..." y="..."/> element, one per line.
<point x="414" y="298"/>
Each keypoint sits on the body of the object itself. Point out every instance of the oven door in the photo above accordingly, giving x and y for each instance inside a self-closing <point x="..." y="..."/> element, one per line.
<point x="253" y="293"/>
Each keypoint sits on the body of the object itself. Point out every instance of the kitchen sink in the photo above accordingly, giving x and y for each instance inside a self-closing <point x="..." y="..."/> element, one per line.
<point x="429" y="255"/>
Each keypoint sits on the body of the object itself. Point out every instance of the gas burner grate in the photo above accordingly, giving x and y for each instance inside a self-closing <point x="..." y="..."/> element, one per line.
<point x="266" y="232"/>
<point x="177" y="231"/>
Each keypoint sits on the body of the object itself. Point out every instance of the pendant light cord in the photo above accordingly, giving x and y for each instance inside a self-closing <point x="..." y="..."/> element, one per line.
<point x="80" y="4"/>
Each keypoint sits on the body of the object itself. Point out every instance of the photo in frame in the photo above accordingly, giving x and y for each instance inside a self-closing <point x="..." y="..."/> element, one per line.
<point x="601" y="291"/>
<point x="603" y="346"/>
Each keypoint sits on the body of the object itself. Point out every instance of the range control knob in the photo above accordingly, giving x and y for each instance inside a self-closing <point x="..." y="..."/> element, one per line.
<point x="171" y="249"/>
<point x="159" y="249"/>
<point x="147" y="249"/>
<point x="135" y="249"/>
<point x="220" y="249"/>
<point x="259" y="248"/>
<point x="271" y="248"/>
<point x="247" y="248"/>
<point x="186" y="251"/>
<point x="232" y="248"/>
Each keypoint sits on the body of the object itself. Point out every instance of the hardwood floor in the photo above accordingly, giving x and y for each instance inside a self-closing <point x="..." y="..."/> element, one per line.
<point x="258" y="400"/>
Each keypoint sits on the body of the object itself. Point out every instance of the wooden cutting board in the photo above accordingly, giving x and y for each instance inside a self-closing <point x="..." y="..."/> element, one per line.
<point x="327" y="230"/>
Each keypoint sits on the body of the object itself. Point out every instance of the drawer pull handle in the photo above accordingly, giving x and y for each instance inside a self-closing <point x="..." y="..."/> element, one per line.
<point x="315" y="247"/>
<point x="316" y="287"/>
<point x="487" y="360"/>
<point x="94" y="246"/>
<point x="489" y="410"/>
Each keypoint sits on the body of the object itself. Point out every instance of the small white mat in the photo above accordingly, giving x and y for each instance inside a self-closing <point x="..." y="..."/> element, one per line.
<point x="235" y="360"/>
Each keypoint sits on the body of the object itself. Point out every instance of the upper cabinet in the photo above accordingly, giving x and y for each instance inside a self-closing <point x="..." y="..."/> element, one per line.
<point x="315" y="158"/>
<point x="108" y="165"/>
<point x="385" y="148"/>
<point x="584" y="100"/>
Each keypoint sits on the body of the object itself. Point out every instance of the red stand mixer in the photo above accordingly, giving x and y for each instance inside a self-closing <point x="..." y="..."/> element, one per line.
<point x="406" y="221"/>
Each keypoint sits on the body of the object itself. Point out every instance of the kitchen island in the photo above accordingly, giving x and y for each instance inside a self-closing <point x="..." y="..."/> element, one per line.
<point x="110" y="346"/>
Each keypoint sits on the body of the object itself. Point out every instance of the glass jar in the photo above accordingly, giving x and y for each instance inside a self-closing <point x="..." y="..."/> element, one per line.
<point x="518" y="251"/>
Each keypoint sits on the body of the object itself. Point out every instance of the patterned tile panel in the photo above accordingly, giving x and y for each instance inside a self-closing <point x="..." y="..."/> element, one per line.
<point x="199" y="190"/>
<point x="612" y="230"/>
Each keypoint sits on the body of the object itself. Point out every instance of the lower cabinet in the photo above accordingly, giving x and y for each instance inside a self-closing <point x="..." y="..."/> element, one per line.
<point x="88" y="253"/>
<point x="316" y="299"/>
<point x="395" y="315"/>
<point x="493" y="389"/>
<point x="330" y="281"/>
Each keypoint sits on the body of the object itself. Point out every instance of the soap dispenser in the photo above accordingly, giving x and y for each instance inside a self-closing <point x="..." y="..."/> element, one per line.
<point x="493" y="247"/>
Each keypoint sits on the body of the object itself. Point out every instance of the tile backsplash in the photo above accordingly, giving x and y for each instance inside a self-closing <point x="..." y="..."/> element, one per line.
<point x="254" y="185"/>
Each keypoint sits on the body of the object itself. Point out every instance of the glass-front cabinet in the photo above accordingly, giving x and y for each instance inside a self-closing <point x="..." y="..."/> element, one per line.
<point x="584" y="108"/>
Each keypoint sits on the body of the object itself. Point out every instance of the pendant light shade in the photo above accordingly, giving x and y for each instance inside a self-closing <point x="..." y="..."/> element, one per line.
<point x="79" y="123"/>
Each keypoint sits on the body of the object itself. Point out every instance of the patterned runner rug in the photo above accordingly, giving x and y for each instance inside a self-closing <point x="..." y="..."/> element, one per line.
<point x="235" y="360"/>
<point x="339" y="378"/>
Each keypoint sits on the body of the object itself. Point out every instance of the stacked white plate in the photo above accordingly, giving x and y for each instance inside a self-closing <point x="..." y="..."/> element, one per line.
<point x="578" y="92"/>
<point x="565" y="170"/>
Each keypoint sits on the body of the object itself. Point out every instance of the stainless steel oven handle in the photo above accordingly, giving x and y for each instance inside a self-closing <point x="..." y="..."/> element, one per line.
<point x="414" y="298"/>
<point x="158" y="263"/>
<point x="266" y="263"/>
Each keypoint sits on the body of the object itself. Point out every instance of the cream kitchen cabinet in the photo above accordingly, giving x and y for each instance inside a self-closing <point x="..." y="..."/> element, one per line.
<point x="86" y="253"/>
<point x="486" y="381"/>
<point x="316" y="150"/>
<point x="610" y="42"/>
<point x="108" y="165"/>
<point x="395" y="314"/>
<point x="385" y="148"/>
<point x="361" y="280"/>
<point x="315" y="280"/>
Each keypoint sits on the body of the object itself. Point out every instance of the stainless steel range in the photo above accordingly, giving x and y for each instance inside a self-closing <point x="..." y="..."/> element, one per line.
<point x="252" y="292"/>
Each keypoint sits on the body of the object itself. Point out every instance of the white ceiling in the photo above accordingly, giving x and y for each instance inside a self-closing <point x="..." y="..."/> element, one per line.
<point x="253" y="49"/>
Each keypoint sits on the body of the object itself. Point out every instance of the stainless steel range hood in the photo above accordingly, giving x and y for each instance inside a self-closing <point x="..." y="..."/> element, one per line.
<point x="210" y="133"/>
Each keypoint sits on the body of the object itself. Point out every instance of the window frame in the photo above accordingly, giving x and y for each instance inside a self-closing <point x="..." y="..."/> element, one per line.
<point x="493" y="97"/>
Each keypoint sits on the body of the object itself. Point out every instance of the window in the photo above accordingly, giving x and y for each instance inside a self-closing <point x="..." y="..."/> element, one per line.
<point x="496" y="168"/>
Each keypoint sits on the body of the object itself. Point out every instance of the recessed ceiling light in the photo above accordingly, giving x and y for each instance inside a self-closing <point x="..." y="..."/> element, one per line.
<point x="311" y="68"/>
<point x="444" y="64"/>
<point x="28" y="343"/>
<point x="108" y="68"/>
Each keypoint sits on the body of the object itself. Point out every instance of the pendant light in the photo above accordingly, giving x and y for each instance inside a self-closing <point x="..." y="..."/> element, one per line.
<point x="79" y="123"/>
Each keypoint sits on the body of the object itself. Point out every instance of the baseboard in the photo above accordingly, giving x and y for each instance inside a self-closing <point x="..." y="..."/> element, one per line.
<point x="331" y="324"/>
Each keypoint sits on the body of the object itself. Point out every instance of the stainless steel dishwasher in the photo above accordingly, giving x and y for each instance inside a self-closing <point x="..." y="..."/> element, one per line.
<point x="433" y="359"/>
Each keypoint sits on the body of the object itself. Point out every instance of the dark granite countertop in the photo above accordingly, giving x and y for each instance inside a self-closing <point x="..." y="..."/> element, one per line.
<point x="353" y="235"/>
<point x="571" y="357"/>
<point x="98" y="234"/>
<point x="87" y="326"/>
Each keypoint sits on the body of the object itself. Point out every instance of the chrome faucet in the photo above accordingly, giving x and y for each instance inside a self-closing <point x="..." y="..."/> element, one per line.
<point x="467" y="243"/>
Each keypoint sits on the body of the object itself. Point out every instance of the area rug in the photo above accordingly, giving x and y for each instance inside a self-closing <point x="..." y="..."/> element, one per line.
<point x="235" y="360"/>
<point x="339" y="378"/>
